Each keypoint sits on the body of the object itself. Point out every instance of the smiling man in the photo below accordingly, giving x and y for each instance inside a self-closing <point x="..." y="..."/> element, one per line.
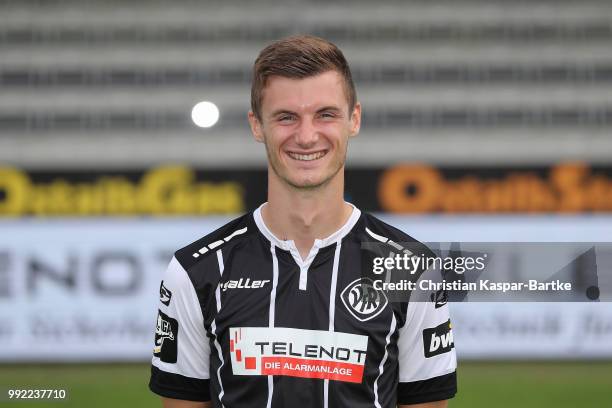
<point x="272" y="309"/>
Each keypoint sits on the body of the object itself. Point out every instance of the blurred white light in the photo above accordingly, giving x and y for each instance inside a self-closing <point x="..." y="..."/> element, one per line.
<point x="205" y="114"/>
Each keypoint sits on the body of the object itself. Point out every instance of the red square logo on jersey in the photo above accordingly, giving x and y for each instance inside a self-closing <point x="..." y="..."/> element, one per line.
<point x="250" y="363"/>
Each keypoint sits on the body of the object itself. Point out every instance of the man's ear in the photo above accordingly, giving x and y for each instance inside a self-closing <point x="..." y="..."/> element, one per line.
<point x="256" y="127"/>
<point x="355" y="120"/>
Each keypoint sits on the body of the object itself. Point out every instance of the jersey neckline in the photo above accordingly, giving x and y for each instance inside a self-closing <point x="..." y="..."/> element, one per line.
<point x="289" y="245"/>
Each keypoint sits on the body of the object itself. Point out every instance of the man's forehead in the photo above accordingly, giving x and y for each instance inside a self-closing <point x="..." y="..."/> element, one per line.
<point x="304" y="93"/>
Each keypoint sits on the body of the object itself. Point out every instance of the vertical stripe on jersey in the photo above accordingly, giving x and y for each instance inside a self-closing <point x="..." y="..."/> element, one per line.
<point x="272" y="313"/>
<point x="384" y="359"/>
<point x="332" y="311"/>
<point x="334" y="282"/>
<point x="218" y="290"/>
<point x="274" y="284"/>
<point x="213" y="325"/>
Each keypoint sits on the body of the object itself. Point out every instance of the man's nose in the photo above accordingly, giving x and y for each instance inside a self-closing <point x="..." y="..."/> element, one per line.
<point x="307" y="134"/>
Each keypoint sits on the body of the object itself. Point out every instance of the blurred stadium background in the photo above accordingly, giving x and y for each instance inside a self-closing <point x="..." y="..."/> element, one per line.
<point x="483" y="119"/>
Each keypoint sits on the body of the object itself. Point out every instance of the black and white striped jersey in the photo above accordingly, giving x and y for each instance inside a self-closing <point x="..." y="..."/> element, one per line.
<point x="244" y="321"/>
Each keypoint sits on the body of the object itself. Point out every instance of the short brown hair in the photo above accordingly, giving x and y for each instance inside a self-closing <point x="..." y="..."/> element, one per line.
<point x="299" y="56"/>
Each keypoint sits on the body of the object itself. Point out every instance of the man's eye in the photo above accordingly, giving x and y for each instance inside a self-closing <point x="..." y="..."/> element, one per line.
<point x="285" y="118"/>
<point x="328" y="115"/>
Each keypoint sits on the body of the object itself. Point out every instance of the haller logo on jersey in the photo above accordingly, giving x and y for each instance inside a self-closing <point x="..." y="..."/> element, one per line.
<point x="362" y="300"/>
<point x="243" y="284"/>
<point x="298" y="353"/>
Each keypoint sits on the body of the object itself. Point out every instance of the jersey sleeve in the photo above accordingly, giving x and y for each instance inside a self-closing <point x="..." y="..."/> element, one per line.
<point x="426" y="351"/>
<point x="180" y="365"/>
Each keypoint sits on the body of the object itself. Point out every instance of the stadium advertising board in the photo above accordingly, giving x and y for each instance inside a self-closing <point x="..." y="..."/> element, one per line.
<point x="404" y="188"/>
<point x="75" y="289"/>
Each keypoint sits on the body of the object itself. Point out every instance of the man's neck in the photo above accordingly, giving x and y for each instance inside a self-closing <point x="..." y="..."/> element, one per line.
<point x="303" y="216"/>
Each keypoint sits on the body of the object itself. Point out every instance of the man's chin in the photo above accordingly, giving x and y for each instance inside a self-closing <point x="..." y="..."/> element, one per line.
<point x="306" y="182"/>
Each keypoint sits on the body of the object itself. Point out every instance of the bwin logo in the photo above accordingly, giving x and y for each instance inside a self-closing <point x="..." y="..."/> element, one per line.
<point x="438" y="340"/>
<point x="362" y="300"/>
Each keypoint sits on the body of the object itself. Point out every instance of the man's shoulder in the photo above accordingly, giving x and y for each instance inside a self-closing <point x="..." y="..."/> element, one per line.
<point x="373" y="229"/>
<point x="234" y="231"/>
<point x="379" y="230"/>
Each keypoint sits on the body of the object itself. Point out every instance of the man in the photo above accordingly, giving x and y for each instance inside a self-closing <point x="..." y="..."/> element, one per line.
<point x="269" y="310"/>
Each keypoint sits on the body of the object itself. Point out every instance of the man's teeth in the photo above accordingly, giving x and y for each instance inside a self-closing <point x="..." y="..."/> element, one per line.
<point x="307" y="157"/>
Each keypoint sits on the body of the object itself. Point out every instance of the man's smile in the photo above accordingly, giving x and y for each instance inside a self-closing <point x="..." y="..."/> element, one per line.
<point x="307" y="157"/>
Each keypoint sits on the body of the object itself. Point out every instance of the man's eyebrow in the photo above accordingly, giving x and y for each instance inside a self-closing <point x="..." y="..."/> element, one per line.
<point x="329" y="108"/>
<point x="288" y="112"/>
<point x="282" y="112"/>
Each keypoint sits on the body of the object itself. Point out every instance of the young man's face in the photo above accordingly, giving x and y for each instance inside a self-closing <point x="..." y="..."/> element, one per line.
<point x="305" y="125"/>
